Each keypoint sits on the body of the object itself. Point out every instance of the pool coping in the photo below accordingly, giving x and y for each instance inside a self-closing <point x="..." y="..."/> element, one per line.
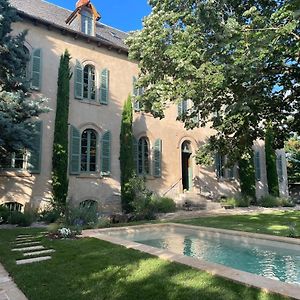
<point x="246" y="278"/>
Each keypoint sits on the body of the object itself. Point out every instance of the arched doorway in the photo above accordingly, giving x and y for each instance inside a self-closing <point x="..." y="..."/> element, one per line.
<point x="186" y="166"/>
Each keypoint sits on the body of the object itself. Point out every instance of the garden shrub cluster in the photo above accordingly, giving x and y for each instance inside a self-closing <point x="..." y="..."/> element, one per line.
<point x="243" y="201"/>
<point x="146" y="204"/>
<point x="16" y="218"/>
<point x="81" y="217"/>
<point x="272" y="201"/>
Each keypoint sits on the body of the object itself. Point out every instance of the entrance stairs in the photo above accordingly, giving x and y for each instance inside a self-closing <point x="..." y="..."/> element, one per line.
<point x="196" y="201"/>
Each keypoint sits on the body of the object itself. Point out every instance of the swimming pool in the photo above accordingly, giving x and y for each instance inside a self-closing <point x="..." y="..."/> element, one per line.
<point x="222" y="252"/>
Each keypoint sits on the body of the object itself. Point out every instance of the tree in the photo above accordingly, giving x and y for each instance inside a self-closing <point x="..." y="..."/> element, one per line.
<point x="60" y="144"/>
<point x="126" y="154"/>
<point x="236" y="60"/>
<point x="272" y="176"/>
<point x="16" y="105"/>
<point x="292" y="148"/>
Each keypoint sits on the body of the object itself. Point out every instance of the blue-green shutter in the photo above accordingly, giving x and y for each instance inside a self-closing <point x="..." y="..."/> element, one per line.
<point x="104" y="87"/>
<point x="218" y="163"/>
<point x="135" y="93"/>
<point x="230" y="172"/>
<point x="106" y="154"/>
<point x="135" y="153"/>
<point x="36" y="152"/>
<point x="157" y="158"/>
<point x="36" y="71"/>
<point x="74" y="168"/>
<point x="179" y="109"/>
<point x="78" y="81"/>
<point x="280" y="167"/>
<point x="257" y="166"/>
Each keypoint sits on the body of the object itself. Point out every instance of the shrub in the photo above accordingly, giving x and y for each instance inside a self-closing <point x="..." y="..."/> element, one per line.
<point x="243" y="201"/>
<point x="286" y="202"/>
<point x="81" y="216"/>
<point x="162" y="204"/>
<point x="49" y="215"/>
<point x="270" y="201"/>
<point x="4" y="214"/>
<point x="21" y="219"/>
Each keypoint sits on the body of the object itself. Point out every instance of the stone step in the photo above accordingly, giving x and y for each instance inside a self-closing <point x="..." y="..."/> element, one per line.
<point x="27" y="244"/>
<point x="27" y="239"/>
<point x="32" y="260"/>
<point x="26" y="249"/>
<point x="24" y="235"/>
<point x="39" y="252"/>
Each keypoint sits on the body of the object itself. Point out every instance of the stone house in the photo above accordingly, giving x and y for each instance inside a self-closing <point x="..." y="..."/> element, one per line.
<point x="103" y="77"/>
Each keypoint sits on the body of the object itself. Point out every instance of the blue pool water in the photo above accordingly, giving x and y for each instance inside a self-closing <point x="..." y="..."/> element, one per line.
<point x="276" y="263"/>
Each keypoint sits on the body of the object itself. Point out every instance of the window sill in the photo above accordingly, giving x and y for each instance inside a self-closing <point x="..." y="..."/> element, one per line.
<point x="90" y="102"/>
<point x="14" y="173"/>
<point x="90" y="176"/>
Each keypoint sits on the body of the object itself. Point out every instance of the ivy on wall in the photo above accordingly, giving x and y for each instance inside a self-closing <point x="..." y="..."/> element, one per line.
<point x="60" y="143"/>
<point x="272" y="176"/>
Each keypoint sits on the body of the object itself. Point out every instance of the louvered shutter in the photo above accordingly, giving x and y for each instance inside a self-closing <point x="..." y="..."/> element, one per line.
<point x="36" y="80"/>
<point x="157" y="157"/>
<point x="36" y="152"/>
<point x="257" y="166"/>
<point x="135" y="92"/>
<point x="218" y="162"/>
<point x="280" y="168"/>
<point x="104" y="87"/>
<point x="106" y="154"/>
<point x="74" y="168"/>
<point x="78" y="81"/>
<point x="135" y="153"/>
<point x="179" y="109"/>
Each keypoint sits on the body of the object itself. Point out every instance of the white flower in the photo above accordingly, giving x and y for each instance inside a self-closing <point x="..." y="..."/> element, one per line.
<point x="65" y="232"/>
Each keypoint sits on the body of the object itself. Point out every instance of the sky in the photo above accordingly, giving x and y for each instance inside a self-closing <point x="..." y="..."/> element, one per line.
<point x="125" y="15"/>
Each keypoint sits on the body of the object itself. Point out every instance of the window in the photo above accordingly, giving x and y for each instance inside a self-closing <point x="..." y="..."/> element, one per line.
<point x="88" y="204"/>
<point x="13" y="206"/>
<point x="222" y="170"/>
<point x="89" y="83"/>
<point x="88" y="150"/>
<point x="182" y="108"/>
<point x="14" y="161"/>
<point x="87" y="23"/>
<point x="143" y="156"/>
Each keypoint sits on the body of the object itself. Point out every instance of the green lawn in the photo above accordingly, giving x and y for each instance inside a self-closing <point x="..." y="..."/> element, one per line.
<point x="276" y="223"/>
<point x="90" y="269"/>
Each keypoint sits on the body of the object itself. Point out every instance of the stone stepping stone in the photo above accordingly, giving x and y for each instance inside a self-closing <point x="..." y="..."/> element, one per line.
<point x="32" y="260"/>
<point x="26" y="249"/>
<point x="26" y="238"/>
<point x="24" y="235"/>
<point x="39" y="252"/>
<point x="28" y="244"/>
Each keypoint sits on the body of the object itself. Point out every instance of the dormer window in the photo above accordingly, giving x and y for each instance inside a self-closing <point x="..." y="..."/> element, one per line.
<point x="87" y="22"/>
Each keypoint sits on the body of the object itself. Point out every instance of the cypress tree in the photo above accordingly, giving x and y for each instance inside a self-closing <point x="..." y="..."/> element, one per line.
<point x="126" y="154"/>
<point x="60" y="144"/>
<point x="272" y="176"/>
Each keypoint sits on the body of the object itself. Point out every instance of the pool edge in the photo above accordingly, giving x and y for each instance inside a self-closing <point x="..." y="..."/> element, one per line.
<point x="246" y="278"/>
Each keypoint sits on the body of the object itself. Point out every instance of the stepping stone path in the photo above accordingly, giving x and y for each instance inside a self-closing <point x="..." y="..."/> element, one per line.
<point x="30" y="247"/>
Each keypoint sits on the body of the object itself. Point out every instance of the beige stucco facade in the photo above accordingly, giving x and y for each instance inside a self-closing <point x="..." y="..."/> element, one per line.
<point x="34" y="190"/>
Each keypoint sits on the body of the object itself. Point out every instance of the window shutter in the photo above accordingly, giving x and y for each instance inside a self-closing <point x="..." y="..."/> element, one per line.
<point x="78" y="81"/>
<point x="280" y="167"/>
<point x="257" y="166"/>
<point x="135" y="153"/>
<point x="74" y="168"/>
<point x="36" y="152"/>
<point x="135" y="93"/>
<point x="179" y="109"/>
<point x="218" y="162"/>
<point x="36" y="81"/>
<point x="104" y="87"/>
<point x="106" y="154"/>
<point x="157" y="156"/>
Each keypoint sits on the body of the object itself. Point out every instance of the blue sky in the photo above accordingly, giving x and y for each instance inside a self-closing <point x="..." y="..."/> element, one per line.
<point x="122" y="14"/>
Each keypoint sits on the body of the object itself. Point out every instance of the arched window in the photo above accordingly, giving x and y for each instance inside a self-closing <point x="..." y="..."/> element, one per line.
<point x="89" y="82"/>
<point x="13" y="206"/>
<point x="87" y="22"/>
<point x="143" y="156"/>
<point x="88" y="204"/>
<point x="88" y="150"/>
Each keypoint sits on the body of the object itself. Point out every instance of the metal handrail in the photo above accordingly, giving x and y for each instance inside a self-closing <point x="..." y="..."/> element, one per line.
<point x="172" y="186"/>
